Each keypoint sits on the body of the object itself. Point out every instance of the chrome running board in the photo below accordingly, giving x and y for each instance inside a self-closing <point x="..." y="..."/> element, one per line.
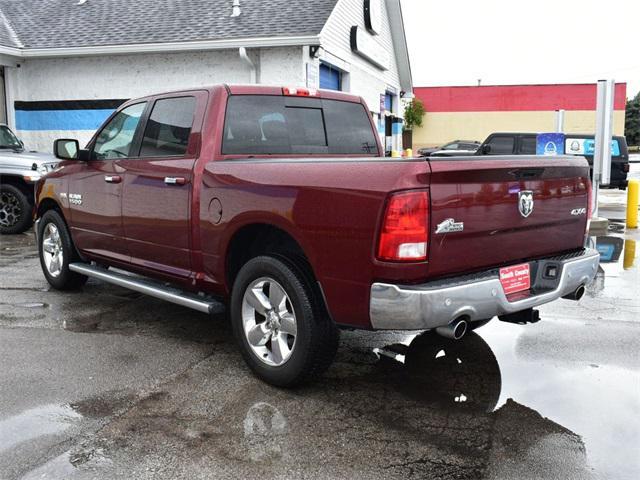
<point x="151" y="287"/>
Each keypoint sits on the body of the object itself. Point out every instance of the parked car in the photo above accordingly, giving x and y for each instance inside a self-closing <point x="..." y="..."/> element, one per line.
<point x="575" y="144"/>
<point x="277" y="203"/>
<point x="19" y="172"/>
<point x="461" y="147"/>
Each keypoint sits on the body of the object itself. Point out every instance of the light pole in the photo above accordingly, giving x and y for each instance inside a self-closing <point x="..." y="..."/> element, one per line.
<point x="602" y="150"/>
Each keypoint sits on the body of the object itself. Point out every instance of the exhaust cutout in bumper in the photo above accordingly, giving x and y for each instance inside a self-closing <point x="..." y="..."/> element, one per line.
<point x="455" y="330"/>
<point x="577" y="294"/>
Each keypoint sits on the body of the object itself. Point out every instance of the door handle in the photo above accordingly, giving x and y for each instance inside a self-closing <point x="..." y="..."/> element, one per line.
<point x="112" y="178"/>
<point x="175" y="180"/>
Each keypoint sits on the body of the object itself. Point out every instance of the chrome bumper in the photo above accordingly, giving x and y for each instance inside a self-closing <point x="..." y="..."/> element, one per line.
<point x="435" y="304"/>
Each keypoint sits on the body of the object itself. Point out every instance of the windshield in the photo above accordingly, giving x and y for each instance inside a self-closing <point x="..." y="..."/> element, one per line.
<point x="8" y="139"/>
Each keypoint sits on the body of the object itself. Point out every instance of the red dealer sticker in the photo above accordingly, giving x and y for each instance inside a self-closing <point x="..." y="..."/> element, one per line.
<point x="515" y="279"/>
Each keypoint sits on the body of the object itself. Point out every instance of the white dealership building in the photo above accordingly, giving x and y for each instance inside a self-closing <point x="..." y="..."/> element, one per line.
<point x="66" y="65"/>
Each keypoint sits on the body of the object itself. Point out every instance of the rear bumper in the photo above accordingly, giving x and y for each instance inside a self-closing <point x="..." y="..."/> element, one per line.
<point x="478" y="297"/>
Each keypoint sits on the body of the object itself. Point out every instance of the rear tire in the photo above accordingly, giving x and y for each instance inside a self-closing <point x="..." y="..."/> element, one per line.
<point x="57" y="251"/>
<point x="283" y="331"/>
<point x="15" y="210"/>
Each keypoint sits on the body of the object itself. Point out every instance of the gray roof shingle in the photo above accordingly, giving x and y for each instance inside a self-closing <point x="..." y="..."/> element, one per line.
<point x="64" y="23"/>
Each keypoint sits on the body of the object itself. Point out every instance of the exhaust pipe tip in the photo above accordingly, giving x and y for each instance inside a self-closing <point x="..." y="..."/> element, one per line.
<point x="454" y="331"/>
<point x="577" y="294"/>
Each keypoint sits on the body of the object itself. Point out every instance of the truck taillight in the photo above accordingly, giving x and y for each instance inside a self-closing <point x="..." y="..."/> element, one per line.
<point x="299" y="92"/>
<point x="405" y="228"/>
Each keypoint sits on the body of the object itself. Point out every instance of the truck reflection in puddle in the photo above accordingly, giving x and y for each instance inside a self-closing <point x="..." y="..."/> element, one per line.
<point x="446" y="372"/>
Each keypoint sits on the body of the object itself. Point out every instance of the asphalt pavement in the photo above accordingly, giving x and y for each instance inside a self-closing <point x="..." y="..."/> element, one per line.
<point x="110" y="384"/>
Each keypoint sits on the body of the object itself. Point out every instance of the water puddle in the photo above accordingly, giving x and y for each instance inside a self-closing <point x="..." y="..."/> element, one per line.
<point x="36" y="422"/>
<point x="618" y="271"/>
<point x="58" y="467"/>
<point x="67" y="465"/>
<point x="264" y="427"/>
<point x="31" y="305"/>
<point x="445" y="373"/>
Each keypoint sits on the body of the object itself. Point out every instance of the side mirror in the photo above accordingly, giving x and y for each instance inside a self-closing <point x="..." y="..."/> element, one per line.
<point x="486" y="149"/>
<point x="66" y="149"/>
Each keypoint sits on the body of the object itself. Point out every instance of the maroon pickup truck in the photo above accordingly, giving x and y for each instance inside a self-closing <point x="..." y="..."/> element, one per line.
<point x="277" y="203"/>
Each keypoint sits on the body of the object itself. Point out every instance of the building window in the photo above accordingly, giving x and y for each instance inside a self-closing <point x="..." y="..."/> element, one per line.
<point x="388" y="101"/>
<point x="330" y="77"/>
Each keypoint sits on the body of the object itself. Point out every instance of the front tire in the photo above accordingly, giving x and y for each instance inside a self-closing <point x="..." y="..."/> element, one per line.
<point x="15" y="210"/>
<point x="56" y="253"/>
<point x="279" y="322"/>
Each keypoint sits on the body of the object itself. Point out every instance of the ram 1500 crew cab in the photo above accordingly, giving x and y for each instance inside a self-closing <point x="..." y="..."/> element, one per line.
<point x="276" y="203"/>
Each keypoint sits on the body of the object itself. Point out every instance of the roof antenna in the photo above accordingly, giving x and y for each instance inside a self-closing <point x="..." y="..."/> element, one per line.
<point x="82" y="2"/>
<point x="236" y="9"/>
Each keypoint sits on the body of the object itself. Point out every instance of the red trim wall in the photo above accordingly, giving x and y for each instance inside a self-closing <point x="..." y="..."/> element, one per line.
<point x="515" y="98"/>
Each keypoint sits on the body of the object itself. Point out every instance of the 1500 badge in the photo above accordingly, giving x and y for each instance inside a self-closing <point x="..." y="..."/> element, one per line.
<point x="75" y="199"/>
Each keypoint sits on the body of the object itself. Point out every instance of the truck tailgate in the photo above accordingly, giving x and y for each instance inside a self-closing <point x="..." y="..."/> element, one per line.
<point x="484" y="194"/>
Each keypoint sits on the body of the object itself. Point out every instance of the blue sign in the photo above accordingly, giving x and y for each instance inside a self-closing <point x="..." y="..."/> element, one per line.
<point x="605" y="251"/>
<point x="550" y="144"/>
<point x="587" y="146"/>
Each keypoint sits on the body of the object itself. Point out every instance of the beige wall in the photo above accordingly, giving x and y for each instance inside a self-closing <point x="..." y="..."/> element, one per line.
<point x="439" y="128"/>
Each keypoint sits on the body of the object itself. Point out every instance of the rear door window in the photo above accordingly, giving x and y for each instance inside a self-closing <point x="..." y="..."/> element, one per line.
<point x="501" y="145"/>
<point x="262" y="124"/>
<point x="169" y="127"/>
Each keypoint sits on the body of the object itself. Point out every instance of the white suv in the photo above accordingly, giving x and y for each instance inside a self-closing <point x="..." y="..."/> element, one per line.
<point x="19" y="172"/>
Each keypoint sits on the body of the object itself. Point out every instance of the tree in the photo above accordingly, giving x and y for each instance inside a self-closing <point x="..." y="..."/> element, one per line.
<point x="413" y="113"/>
<point x="632" y="121"/>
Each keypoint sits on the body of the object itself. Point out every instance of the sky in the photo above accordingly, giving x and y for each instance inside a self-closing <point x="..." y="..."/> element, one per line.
<point x="458" y="42"/>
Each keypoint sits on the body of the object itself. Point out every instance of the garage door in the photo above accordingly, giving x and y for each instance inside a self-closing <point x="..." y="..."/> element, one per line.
<point x="329" y="77"/>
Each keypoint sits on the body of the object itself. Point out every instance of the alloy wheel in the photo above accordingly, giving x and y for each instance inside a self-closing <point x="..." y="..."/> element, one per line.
<point x="52" y="252"/>
<point x="269" y="321"/>
<point x="10" y="209"/>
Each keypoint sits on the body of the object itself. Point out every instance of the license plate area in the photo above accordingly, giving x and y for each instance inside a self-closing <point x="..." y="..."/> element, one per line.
<point x="515" y="278"/>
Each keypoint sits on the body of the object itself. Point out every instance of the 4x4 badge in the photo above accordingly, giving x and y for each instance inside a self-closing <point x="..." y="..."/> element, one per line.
<point x="525" y="202"/>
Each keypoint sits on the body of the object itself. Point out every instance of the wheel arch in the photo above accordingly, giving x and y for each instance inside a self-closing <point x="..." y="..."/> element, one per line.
<point x="47" y="204"/>
<point x="258" y="238"/>
<point x="19" y="182"/>
<point x="255" y="239"/>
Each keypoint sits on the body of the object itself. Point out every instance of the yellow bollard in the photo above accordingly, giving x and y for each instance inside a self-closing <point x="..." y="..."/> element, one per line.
<point x="632" y="204"/>
<point x="408" y="153"/>
<point x="395" y="154"/>
<point x="629" y="253"/>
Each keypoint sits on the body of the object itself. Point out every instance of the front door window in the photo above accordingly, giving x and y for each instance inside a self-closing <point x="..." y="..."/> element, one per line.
<point x="115" y="139"/>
